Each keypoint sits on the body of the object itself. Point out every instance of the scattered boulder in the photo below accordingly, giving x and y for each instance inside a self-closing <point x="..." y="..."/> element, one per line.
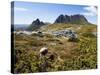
<point x="43" y="51"/>
<point x="65" y="33"/>
<point x="51" y="57"/>
<point x="39" y="33"/>
<point x="71" y="35"/>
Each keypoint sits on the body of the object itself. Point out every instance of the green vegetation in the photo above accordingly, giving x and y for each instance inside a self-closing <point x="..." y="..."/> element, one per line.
<point x="69" y="55"/>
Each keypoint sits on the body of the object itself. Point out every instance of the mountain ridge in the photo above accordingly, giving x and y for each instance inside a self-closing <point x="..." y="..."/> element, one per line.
<point x="66" y="19"/>
<point x="73" y="19"/>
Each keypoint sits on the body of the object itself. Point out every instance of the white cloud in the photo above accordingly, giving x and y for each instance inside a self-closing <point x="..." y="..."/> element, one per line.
<point x="20" y="9"/>
<point x="90" y="11"/>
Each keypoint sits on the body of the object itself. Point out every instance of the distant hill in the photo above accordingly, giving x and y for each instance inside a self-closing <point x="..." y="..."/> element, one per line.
<point x="35" y="25"/>
<point x="20" y="27"/>
<point x="73" y="19"/>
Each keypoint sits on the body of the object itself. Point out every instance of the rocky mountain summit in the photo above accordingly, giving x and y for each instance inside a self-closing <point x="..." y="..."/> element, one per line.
<point x="36" y="24"/>
<point x="73" y="19"/>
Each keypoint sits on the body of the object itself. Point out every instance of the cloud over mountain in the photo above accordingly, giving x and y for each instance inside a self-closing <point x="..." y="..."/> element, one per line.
<point x="90" y="11"/>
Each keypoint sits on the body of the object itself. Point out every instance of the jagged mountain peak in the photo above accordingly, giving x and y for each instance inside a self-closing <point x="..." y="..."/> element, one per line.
<point x="75" y="19"/>
<point x="36" y="24"/>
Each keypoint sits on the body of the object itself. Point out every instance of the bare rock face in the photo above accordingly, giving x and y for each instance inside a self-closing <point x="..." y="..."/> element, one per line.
<point x="35" y="25"/>
<point x="78" y="19"/>
<point x="63" y="19"/>
<point x="37" y="22"/>
<point x="73" y="19"/>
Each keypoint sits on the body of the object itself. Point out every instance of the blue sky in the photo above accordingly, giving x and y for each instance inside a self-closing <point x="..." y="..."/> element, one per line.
<point x="26" y="12"/>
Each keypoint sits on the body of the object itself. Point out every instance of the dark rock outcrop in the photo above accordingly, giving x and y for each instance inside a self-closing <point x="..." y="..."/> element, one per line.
<point x="35" y="25"/>
<point x="73" y="19"/>
<point x="63" y="19"/>
<point x="37" y="22"/>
